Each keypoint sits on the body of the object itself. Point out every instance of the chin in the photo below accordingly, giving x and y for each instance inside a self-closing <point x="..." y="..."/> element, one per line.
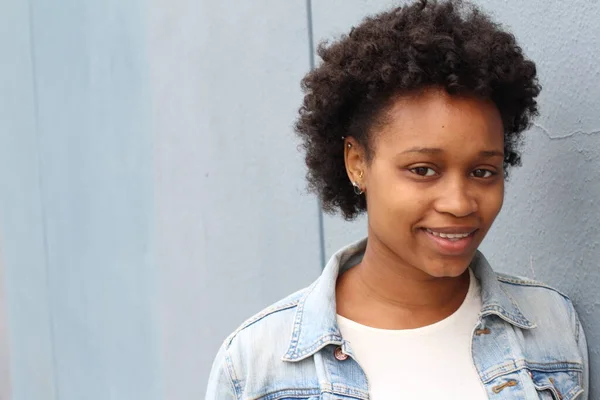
<point x="447" y="269"/>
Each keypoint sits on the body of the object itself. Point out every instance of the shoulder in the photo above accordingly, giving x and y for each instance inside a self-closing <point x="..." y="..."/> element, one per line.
<point x="256" y="348"/>
<point x="538" y="301"/>
<point x="277" y="318"/>
<point x="250" y="361"/>
<point x="528" y="286"/>
<point x="559" y="335"/>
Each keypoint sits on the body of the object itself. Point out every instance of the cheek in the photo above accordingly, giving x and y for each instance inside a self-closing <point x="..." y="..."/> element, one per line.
<point x="393" y="201"/>
<point x="492" y="202"/>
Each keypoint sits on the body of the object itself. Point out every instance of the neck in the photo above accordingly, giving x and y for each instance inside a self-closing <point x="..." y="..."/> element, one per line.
<point x="384" y="291"/>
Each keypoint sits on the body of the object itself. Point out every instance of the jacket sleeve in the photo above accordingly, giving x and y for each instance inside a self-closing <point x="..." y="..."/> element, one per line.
<point x="583" y="349"/>
<point x="220" y="382"/>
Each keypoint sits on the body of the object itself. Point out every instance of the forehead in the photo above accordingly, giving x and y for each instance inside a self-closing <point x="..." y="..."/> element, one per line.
<point x="455" y="124"/>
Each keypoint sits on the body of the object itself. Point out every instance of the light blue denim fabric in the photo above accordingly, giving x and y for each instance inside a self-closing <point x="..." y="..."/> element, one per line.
<point x="528" y="344"/>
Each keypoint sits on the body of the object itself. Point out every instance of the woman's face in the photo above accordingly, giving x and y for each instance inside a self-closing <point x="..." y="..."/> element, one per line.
<point x="435" y="182"/>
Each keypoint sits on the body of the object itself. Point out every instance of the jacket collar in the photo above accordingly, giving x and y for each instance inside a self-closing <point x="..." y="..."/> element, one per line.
<point x="315" y="322"/>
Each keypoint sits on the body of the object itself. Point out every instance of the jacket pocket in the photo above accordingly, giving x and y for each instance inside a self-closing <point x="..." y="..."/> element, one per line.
<point x="557" y="385"/>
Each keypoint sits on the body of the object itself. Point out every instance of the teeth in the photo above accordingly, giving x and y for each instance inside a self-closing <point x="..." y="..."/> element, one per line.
<point x="450" y="236"/>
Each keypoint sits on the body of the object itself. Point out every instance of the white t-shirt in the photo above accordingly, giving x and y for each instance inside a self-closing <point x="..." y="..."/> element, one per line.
<point x="431" y="362"/>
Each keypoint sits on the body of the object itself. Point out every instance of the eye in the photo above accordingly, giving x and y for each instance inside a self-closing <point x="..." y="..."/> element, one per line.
<point x="482" y="173"/>
<point x="423" y="171"/>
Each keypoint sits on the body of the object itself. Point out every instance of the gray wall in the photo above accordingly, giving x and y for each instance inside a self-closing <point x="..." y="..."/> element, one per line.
<point x="153" y="196"/>
<point x="235" y="228"/>
<point x="76" y="201"/>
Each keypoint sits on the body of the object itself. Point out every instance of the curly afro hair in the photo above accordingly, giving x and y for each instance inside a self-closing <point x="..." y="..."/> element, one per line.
<point x="446" y="44"/>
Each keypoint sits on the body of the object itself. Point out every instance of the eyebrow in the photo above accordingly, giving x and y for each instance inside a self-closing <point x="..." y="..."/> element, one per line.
<point x="435" y="150"/>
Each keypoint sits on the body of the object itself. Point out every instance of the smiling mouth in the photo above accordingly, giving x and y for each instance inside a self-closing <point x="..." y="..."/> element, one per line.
<point x="453" y="237"/>
<point x="453" y="241"/>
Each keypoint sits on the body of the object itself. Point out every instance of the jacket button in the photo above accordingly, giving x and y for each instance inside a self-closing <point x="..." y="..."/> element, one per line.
<point x="339" y="354"/>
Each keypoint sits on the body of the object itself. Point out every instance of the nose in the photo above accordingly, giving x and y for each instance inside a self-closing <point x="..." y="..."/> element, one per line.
<point x="456" y="198"/>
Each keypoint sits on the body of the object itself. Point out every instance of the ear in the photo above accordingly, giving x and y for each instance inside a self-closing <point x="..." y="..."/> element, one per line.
<point x="355" y="161"/>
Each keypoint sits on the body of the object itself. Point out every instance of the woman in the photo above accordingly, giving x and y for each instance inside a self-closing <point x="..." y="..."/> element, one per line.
<point x="414" y="117"/>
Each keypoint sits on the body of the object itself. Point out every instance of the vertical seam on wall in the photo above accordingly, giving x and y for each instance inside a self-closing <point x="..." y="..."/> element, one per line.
<point x="309" y="24"/>
<point x="311" y="58"/>
<point x="41" y="192"/>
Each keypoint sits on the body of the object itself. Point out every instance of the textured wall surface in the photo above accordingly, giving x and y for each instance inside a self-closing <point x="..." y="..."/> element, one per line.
<point x="153" y="195"/>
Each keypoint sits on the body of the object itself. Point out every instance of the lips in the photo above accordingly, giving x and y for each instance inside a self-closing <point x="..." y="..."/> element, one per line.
<point x="452" y="241"/>
<point x="452" y="235"/>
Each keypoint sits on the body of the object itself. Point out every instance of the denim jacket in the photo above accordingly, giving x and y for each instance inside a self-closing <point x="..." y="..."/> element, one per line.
<point x="528" y="344"/>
